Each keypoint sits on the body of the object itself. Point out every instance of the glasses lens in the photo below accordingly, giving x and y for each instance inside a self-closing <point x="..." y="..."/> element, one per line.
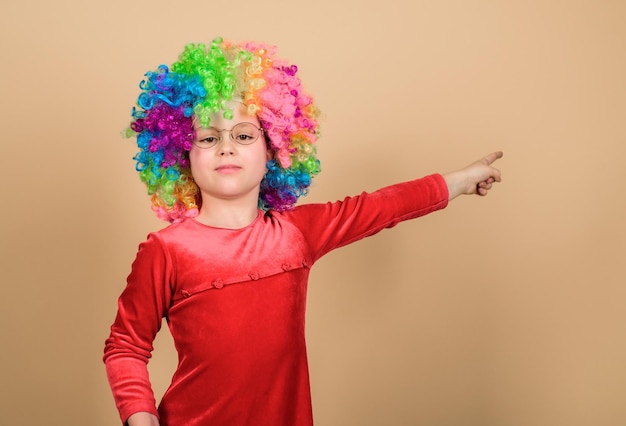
<point x="245" y="133"/>
<point x="207" y="138"/>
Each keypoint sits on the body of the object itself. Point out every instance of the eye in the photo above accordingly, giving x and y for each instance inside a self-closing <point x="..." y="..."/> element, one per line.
<point x="209" y="140"/>
<point x="243" y="137"/>
<point x="245" y="133"/>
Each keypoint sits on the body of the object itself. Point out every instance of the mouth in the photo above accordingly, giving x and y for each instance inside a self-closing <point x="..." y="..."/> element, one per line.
<point x="228" y="168"/>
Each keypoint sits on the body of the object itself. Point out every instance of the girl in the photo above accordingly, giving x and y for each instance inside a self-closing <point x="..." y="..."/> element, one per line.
<point x="226" y="138"/>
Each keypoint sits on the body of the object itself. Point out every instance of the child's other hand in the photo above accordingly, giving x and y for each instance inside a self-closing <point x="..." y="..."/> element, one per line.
<point x="143" y="418"/>
<point x="477" y="178"/>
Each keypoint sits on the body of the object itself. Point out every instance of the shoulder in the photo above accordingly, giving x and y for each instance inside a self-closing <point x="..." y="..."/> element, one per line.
<point x="173" y="231"/>
<point x="304" y="213"/>
<point x="168" y="238"/>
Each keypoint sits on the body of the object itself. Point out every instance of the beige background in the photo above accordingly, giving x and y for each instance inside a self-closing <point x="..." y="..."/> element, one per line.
<point x="503" y="311"/>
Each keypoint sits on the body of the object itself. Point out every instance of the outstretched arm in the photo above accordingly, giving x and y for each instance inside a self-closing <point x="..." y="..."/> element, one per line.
<point x="477" y="178"/>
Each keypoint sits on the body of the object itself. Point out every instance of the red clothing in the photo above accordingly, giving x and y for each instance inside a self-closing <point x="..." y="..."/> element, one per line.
<point x="234" y="301"/>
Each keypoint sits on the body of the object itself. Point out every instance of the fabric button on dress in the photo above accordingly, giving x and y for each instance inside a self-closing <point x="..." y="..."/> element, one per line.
<point x="254" y="275"/>
<point x="185" y="293"/>
<point x="218" y="283"/>
<point x="286" y="267"/>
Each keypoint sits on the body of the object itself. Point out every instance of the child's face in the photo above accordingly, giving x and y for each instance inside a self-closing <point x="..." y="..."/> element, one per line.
<point x="229" y="170"/>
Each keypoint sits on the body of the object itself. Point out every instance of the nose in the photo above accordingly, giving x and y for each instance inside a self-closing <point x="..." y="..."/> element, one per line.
<point x="226" y="146"/>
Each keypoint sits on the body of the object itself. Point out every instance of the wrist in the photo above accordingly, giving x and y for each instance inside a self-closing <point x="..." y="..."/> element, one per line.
<point x="455" y="183"/>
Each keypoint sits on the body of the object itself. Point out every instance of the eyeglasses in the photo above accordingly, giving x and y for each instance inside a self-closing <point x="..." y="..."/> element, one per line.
<point x="242" y="133"/>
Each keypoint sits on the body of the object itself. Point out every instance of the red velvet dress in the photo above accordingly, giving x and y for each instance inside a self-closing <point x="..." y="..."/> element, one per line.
<point x="234" y="301"/>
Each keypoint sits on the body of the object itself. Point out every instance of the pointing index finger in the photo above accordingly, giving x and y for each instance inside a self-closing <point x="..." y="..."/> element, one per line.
<point x="492" y="157"/>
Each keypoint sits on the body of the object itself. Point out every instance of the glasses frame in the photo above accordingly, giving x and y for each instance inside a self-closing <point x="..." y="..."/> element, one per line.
<point x="230" y="134"/>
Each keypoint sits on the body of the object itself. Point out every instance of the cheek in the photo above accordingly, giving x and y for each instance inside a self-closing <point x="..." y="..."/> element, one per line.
<point x="196" y="162"/>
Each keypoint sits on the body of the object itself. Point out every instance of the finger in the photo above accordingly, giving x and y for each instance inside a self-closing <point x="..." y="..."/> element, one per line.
<point x="494" y="175"/>
<point x="497" y="176"/>
<point x="492" y="157"/>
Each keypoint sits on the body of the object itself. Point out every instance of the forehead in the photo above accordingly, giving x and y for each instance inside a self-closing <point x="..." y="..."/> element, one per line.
<point x="240" y="114"/>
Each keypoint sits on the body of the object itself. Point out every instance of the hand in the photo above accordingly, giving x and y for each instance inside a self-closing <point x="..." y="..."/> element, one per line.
<point x="477" y="178"/>
<point x="143" y="418"/>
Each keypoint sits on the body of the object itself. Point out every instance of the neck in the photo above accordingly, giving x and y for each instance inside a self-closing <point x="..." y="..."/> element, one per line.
<point x="227" y="214"/>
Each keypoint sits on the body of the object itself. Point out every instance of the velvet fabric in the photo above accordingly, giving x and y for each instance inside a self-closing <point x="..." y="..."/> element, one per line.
<point x="234" y="301"/>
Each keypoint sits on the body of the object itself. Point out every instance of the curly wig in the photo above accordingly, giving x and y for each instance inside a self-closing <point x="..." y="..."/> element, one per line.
<point x="201" y="83"/>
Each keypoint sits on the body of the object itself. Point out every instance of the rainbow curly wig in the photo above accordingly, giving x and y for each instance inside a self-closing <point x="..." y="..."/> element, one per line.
<point x="201" y="83"/>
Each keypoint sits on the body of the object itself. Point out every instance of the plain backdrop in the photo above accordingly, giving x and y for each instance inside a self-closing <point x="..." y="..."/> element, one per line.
<point x="499" y="311"/>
